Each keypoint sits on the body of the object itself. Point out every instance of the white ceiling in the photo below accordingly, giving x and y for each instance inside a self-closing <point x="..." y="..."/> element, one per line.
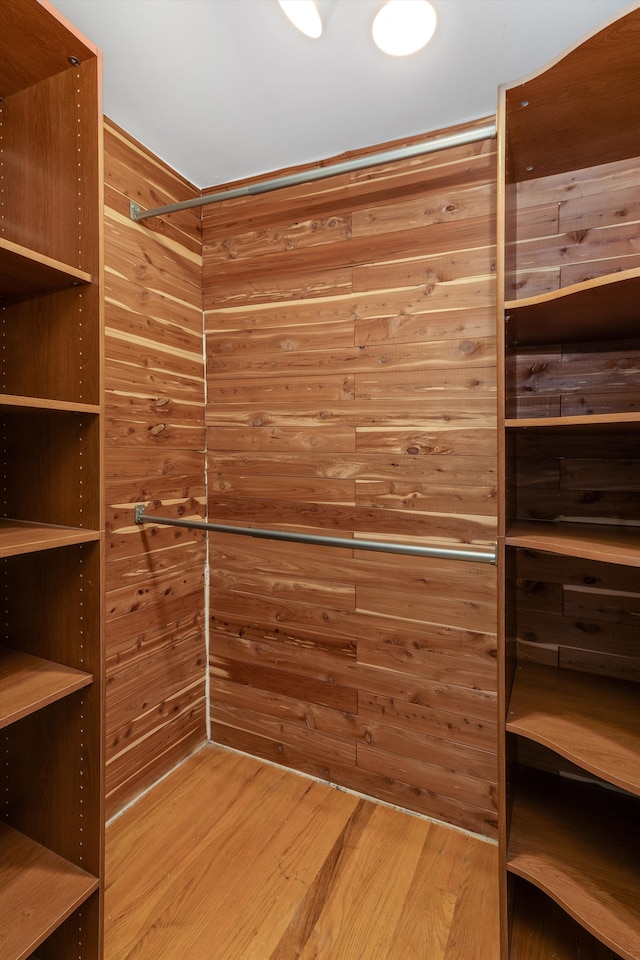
<point x="225" y="89"/>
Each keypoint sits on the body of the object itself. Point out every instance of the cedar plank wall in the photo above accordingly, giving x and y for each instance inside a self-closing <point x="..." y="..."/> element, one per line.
<point x="154" y="451"/>
<point x="350" y="334"/>
<point x="575" y="226"/>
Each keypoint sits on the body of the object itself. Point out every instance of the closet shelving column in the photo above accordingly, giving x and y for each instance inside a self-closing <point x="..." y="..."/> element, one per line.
<point x="570" y="540"/>
<point x="51" y="523"/>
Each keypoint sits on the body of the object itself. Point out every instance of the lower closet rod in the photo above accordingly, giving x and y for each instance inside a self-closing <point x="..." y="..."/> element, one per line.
<point x="380" y="546"/>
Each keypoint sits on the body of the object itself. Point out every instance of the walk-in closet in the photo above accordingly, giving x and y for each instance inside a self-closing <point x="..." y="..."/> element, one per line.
<point x="319" y="535"/>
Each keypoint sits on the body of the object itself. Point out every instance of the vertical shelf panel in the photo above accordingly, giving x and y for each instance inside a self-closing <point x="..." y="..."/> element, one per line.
<point x="47" y="208"/>
<point x="569" y="318"/>
<point x="51" y="529"/>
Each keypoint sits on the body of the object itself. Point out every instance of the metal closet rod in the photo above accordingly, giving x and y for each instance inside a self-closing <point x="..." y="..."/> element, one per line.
<point x="379" y="546"/>
<point x="486" y="132"/>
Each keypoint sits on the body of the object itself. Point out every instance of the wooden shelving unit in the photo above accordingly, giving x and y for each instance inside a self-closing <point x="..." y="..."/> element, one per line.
<point x="8" y="403"/>
<point x="592" y="721"/>
<point x="602" y="307"/>
<point x="540" y="929"/>
<point x="51" y="521"/>
<point x="29" y="683"/>
<point x="569" y="330"/>
<point x="25" y="272"/>
<point x="630" y="421"/>
<point x="581" y="847"/>
<point x="39" y="888"/>
<point x="20" y="536"/>
<point x="591" y="541"/>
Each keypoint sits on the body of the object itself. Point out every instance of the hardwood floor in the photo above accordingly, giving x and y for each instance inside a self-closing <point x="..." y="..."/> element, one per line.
<point x="232" y="859"/>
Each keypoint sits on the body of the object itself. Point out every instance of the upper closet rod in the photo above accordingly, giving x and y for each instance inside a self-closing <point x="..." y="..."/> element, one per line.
<point x="486" y="132"/>
<point x="380" y="546"/>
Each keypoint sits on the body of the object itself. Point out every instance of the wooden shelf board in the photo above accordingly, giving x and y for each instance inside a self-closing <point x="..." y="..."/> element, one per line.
<point x="9" y="403"/>
<point x="593" y="721"/>
<point x="23" y="272"/>
<point x="38" y="891"/>
<point x="630" y="421"/>
<point x="589" y="541"/>
<point x="604" y="308"/>
<point x="581" y="849"/>
<point x="540" y="930"/>
<point x="28" y="683"/>
<point x="19" y="536"/>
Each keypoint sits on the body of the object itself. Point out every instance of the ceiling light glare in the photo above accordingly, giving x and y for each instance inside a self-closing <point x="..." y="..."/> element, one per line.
<point x="304" y="15"/>
<point x="404" y="26"/>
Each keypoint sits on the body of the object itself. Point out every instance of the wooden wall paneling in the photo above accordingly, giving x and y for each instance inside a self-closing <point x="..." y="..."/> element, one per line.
<point x="463" y="165"/>
<point x="411" y="785"/>
<point x="365" y="359"/>
<point x="350" y="344"/>
<point x="284" y="647"/>
<point x="167" y="742"/>
<point x="575" y="226"/>
<point x="304" y="714"/>
<point x="154" y="445"/>
<point x="233" y="556"/>
<point x="607" y="380"/>
<point x="578" y="614"/>
<point x="437" y="469"/>
<point x="432" y="239"/>
<point x="556" y="482"/>
<point x="448" y="726"/>
<point x="158" y="185"/>
<point x="311" y="282"/>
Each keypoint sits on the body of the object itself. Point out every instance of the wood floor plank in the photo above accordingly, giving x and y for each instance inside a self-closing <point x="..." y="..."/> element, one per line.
<point x="229" y="858"/>
<point x="307" y="915"/>
<point x="424" y="925"/>
<point x="373" y="884"/>
<point x="476" y="917"/>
